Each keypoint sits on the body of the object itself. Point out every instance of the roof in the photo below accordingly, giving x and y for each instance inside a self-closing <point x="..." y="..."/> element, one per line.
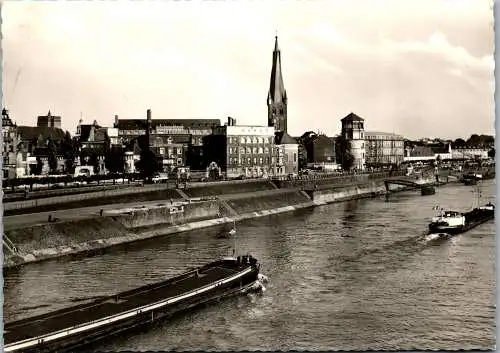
<point x="33" y="132"/>
<point x="352" y="117"/>
<point x="439" y="149"/>
<point x="140" y="124"/>
<point x="282" y="138"/>
<point x="85" y="131"/>
<point x="379" y="133"/>
<point x="277" y="91"/>
<point x="421" y="151"/>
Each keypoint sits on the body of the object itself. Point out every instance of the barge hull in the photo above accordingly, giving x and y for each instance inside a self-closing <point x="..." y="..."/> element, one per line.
<point x="135" y="324"/>
<point x="457" y="230"/>
<point x="89" y="322"/>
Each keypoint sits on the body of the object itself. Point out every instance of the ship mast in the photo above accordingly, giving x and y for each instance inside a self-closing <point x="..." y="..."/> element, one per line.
<point x="232" y="232"/>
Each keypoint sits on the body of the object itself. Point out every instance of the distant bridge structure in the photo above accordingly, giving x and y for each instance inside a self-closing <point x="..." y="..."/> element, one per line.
<point x="426" y="189"/>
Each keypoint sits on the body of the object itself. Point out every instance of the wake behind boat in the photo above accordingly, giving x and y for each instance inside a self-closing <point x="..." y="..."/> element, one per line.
<point x="66" y="329"/>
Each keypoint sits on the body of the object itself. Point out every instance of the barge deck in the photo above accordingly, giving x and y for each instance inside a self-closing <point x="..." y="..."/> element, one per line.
<point x="210" y="281"/>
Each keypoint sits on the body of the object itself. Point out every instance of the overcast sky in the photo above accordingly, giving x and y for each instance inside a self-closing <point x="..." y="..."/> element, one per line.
<point x="418" y="68"/>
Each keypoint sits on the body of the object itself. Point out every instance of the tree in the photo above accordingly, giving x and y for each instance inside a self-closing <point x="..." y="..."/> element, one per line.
<point x="69" y="149"/>
<point x="148" y="164"/>
<point x="94" y="162"/>
<point x="52" y="155"/>
<point x="39" y="166"/>
<point x="459" y="143"/>
<point x="343" y="153"/>
<point x="491" y="153"/>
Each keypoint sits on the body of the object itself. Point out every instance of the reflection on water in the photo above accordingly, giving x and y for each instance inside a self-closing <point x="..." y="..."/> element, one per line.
<point x="356" y="275"/>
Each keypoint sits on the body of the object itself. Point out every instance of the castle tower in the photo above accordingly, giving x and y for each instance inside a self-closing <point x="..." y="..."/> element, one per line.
<point x="148" y="128"/>
<point x="276" y="98"/>
<point x="353" y="130"/>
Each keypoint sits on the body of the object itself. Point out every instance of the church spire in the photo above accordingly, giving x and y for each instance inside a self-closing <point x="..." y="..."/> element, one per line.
<point x="276" y="98"/>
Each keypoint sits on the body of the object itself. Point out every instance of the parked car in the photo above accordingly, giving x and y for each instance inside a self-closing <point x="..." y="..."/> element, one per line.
<point x="160" y="178"/>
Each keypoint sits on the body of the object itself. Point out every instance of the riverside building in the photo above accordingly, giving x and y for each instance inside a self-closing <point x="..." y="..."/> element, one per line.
<point x="383" y="149"/>
<point x="353" y="131"/>
<point x="243" y="150"/>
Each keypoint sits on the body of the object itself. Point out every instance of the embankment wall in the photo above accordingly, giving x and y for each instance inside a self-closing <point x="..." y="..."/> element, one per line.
<point x="58" y="239"/>
<point x="170" y="215"/>
<point x="133" y="194"/>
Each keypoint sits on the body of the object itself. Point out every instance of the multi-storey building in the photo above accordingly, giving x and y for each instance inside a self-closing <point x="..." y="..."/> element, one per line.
<point x="49" y="120"/>
<point x="383" y="148"/>
<point x="244" y="150"/>
<point x="276" y="98"/>
<point x="34" y="148"/>
<point x="9" y="143"/>
<point x="188" y="132"/>
<point x="465" y="152"/>
<point x="353" y="131"/>
<point x="170" y="150"/>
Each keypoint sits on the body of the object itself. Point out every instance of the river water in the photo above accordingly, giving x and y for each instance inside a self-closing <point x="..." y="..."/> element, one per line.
<point x="352" y="276"/>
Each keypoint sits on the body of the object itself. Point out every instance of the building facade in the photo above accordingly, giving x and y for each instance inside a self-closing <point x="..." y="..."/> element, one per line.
<point x="276" y="98"/>
<point x="383" y="149"/>
<point x="459" y="153"/>
<point x="241" y="150"/>
<point x="353" y="131"/>
<point x="286" y="154"/>
<point x="188" y="132"/>
<point x="9" y="142"/>
<point x="49" y="120"/>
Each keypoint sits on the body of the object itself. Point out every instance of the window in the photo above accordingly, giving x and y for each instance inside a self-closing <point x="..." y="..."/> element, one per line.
<point x="248" y="160"/>
<point x="242" y="150"/>
<point x="162" y="150"/>
<point x="254" y="150"/>
<point x="286" y="157"/>
<point x="242" y="140"/>
<point x="261" y="140"/>
<point x="249" y="150"/>
<point x="254" y="160"/>
<point x="254" y="140"/>
<point x="249" y="140"/>
<point x="179" y="161"/>
<point x="266" y="149"/>
<point x="261" y="150"/>
<point x="261" y="160"/>
<point x="295" y="158"/>
<point x="267" y="160"/>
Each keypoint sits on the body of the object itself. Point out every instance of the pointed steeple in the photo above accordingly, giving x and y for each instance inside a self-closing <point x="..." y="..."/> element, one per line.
<point x="276" y="88"/>
<point x="276" y="97"/>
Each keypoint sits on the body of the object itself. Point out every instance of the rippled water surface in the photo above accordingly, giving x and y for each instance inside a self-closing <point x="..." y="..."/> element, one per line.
<point x="354" y="275"/>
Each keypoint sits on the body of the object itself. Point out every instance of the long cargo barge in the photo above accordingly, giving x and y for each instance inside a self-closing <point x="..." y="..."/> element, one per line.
<point x="77" y="326"/>
<point x="449" y="223"/>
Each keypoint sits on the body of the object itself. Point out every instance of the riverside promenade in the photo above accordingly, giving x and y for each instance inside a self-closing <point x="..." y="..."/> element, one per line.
<point x="32" y="237"/>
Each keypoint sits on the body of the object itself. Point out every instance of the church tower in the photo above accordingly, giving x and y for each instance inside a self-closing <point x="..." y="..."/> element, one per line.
<point x="276" y="98"/>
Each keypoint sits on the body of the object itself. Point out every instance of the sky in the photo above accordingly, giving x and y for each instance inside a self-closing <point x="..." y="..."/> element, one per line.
<point x="417" y="68"/>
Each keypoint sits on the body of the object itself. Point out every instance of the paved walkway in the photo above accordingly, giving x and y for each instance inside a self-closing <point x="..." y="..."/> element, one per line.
<point x="26" y="220"/>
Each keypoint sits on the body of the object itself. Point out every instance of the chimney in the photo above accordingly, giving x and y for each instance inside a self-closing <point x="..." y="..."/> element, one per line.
<point x="116" y="120"/>
<point x="148" y="115"/>
<point x="231" y="121"/>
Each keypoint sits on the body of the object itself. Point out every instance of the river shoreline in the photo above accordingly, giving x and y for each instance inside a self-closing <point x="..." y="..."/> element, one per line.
<point x="44" y="242"/>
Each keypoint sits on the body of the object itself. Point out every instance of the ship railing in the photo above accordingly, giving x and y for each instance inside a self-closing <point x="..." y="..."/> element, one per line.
<point x="120" y="316"/>
<point x="10" y="245"/>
